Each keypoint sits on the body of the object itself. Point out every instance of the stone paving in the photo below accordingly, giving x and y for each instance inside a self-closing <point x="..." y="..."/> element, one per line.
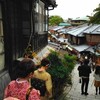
<point x="74" y="93"/>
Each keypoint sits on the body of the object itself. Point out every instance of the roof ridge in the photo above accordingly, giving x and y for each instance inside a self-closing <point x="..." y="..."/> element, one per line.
<point x="84" y="29"/>
<point x="96" y="28"/>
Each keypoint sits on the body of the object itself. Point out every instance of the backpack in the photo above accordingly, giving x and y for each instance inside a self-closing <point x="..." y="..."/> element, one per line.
<point x="39" y="84"/>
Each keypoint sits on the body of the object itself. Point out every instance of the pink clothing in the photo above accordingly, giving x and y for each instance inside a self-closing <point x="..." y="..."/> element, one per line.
<point x="10" y="98"/>
<point x="19" y="89"/>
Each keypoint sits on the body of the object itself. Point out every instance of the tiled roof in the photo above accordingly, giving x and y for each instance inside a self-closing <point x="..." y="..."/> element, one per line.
<point x="93" y="28"/>
<point x="80" y="47"/>
<point x="78" y="31"/>
<point x="64" y="24"/>
<point x="82" y="18"/>
<point x="58" y="27"/>
<point x="92" y="51"/>
<point x="52" y="27"/>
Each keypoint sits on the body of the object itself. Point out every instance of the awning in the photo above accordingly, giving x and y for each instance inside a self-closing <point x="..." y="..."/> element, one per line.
<point x="67" y="46"/>
<point x="92" y="51"/>
<point x="80" y="48"/>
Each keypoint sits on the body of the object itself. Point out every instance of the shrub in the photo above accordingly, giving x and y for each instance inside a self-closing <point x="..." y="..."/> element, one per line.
<point x="60" y="70"/>
<point x="60" y="67"/>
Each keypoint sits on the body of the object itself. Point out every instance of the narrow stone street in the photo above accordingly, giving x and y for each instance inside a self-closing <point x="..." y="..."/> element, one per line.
<point x="74" y="92"/>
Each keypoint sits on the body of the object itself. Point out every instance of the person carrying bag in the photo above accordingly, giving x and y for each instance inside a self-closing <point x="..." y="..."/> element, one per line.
<point x="18" y="88"/>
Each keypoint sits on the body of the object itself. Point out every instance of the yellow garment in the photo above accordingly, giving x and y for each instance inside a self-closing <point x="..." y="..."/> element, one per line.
<point x="42" y="74"/>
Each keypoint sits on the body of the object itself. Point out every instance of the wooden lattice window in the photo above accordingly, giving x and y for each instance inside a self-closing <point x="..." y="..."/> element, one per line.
<point x="1" y="42"/>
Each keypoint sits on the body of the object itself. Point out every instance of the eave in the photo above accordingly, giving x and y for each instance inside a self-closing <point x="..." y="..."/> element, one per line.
<point x="50" y="4"/>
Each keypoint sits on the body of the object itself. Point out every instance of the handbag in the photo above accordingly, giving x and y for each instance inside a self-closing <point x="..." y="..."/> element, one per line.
<point x="28" y="92"/>
<point x="79" y="80"/>
<point x="40" y="85"/>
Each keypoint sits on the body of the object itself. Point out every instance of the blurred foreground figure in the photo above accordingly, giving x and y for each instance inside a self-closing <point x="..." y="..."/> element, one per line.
<point x="21" y="88"/>
<point x="42" y="74"/>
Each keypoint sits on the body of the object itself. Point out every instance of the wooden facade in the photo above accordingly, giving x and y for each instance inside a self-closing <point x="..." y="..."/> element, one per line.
<point x="90" y="36"/>
<point x="79" y="21"/>
<point x="75" y="40"/>
<point x="22" y="22"/>
<point x="92" y="39"/>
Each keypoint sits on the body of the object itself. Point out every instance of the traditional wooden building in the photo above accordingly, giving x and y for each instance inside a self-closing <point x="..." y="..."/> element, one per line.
<point x="65" y="24"/>
<point x="62" y="33"/>
<point x="86" y="35"/>
<point x="53" y="30"/>
<point x="22" y="22"/>
<point x="79" y="21"/>
<point x="92" y="34"/>
<point x="76" y="36"/>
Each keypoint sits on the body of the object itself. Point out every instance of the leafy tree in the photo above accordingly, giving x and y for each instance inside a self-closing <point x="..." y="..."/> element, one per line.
<point x="55" y="20"/>
<point x="95" y="19"/>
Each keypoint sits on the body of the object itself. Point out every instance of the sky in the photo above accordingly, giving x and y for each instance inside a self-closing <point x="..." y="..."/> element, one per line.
<point x="74" y="8"/>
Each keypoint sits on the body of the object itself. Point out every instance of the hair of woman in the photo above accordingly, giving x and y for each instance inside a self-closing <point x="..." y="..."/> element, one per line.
<point x="26" y="66"/>
<point x="45" y="62"/>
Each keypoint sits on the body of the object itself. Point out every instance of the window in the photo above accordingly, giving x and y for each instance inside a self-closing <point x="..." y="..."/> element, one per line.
<point x="41" y="17"/>
<point x="36" y="16"/>
<point x="1" y="42"/>
<point x="46" y="21"/>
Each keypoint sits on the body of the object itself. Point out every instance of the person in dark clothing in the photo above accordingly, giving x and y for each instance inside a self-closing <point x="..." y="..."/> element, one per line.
<point x="80" y="73"/>
<point x="85" y="71"/>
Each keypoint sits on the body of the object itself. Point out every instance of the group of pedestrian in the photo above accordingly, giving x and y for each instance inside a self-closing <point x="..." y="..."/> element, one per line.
<point x="85" y="70"/>
<point x="21" y="88"/>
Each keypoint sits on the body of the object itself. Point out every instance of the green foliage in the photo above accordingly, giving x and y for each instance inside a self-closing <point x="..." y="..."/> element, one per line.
<point x="60" y="67"/>
<point x="54" y="59"/>
<point x="55" y="20"/>
<point x="60" y="70"/>
<point x="69" y="61"/>
<point x="95" y="19"/>
<point x="69" y="58"/>
<point x="57" y="69"/>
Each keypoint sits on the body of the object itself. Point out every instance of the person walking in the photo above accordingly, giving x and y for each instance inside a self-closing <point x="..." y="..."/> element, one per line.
<point x="85" y="71"/>
<point x="80" y="73"/>
<point x="20" y="87"/>
<point x="97" y="79"/>
<point x="42" y="74"/>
